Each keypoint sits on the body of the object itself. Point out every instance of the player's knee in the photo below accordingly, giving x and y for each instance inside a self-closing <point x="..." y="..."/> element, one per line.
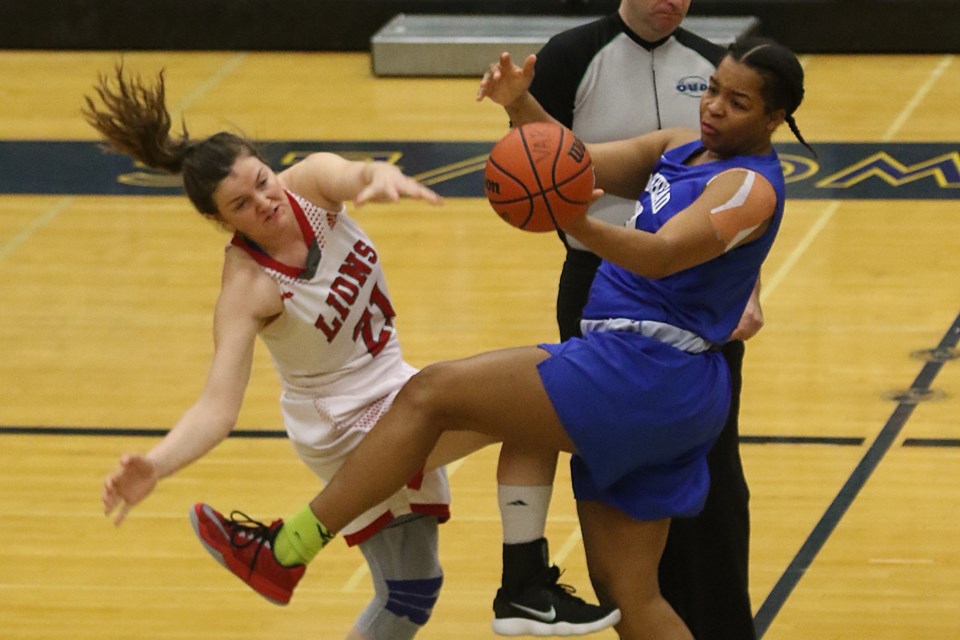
<point x="407" y="578"/>
<point x="413" y="599"/>
<point x="408" y="606"/>
<point x="425" y="392"/>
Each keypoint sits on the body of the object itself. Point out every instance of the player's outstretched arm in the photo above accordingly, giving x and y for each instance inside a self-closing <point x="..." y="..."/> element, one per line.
<point x="329" y="180"/>
<point x="247" y="300"/>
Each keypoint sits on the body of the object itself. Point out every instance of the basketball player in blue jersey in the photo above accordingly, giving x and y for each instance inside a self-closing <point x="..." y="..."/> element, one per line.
<point x="304" y="277"/>
<point x="640" y="398"/>
<point x="634" y="71"/>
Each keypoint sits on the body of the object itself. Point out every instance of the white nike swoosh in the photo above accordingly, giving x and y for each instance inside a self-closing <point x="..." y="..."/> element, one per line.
<point x="547" y="616"/>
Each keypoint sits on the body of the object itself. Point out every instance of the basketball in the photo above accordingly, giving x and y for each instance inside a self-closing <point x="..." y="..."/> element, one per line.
<point x="539" y="177"/>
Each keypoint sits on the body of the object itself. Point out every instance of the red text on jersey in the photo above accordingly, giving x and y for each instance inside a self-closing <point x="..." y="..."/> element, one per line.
<point x="344" y="293"/>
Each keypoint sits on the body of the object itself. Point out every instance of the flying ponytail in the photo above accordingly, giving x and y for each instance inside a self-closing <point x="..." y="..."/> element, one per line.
<point x="133" y="119"/>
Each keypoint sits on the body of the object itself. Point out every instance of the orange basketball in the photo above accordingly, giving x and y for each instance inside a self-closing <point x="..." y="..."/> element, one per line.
<point x="539" y="177"/>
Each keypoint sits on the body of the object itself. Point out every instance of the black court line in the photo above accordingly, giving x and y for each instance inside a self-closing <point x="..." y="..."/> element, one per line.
<point x="125" y="432"/>
<point x="842" y="441"/>
<point x="848" y="493"/>
<point x="116" y="432"/>
<point x="945" y="443"/>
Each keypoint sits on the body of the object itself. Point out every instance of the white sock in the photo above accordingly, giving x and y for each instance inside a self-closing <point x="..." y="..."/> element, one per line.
<point x="523" y="512"/>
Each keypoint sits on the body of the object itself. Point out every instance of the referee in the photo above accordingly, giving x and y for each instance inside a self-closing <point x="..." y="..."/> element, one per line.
<point x="626" y="74"/>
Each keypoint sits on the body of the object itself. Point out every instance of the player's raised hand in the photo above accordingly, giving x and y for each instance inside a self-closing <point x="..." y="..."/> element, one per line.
<point x="127" y="486"/>
<point x="388" y="184"/>
<point x="505" y="82"/>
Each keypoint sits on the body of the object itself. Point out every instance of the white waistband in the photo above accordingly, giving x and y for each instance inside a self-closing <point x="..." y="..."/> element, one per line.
<point x="667" y="333"/>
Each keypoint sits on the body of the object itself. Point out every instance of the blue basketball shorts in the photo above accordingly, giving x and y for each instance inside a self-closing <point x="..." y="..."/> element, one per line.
<point x="642" y="415"/>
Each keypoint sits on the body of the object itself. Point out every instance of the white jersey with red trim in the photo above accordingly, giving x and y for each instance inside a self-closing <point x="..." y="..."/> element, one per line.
<point x="336" y="350"/>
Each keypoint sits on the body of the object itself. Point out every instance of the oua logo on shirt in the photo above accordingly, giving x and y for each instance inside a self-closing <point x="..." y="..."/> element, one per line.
<point x="692" y="86"/>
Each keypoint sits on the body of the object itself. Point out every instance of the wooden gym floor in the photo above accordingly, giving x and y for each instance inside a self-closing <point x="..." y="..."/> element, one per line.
<point x="850" y="405"/>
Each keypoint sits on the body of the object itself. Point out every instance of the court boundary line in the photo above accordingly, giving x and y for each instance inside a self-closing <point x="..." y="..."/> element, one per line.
<point x="279" y="434"/>
<point x="917" y="98"/>
<point x="48" y="216"/>
<point x="769" y="285"/>
<point x="932" y="443"/>
<point x="204" y="88"/>
<point x="834" y="513"/>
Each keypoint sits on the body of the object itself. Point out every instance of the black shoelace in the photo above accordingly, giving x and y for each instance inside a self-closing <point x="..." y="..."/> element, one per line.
<point x="552" y="577"/>
<point x="245" y="531"/>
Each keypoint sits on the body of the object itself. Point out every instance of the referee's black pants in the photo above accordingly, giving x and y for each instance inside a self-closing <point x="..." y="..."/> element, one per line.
<point x="704" y="568"/>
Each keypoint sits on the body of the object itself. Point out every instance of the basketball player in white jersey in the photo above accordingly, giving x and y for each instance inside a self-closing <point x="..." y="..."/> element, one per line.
<point x="303" y="276"/>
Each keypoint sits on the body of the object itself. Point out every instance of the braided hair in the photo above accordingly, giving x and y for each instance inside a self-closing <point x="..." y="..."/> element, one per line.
<point x="133" y="119"/>
<point x="781" y="73"/>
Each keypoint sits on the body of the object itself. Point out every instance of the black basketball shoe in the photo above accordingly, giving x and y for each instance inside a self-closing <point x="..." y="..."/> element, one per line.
<point x="544" y="607"/>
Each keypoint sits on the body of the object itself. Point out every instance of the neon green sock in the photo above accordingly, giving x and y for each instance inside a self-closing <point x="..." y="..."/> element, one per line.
<point x="300" y="539"/>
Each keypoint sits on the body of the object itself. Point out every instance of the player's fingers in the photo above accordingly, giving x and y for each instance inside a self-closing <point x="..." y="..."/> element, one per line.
<point x="361" y="198"/>
<point x="413" y="189"/>
<point x="747" y="328"/>
<point x="427" y="194"/>
<point x="109" y="499"/>
<point x="110" y="487"/>
<point x="529" y="64"/>
<point x="481" y="89"/>
<point x="121" y="514"/>
<point x="383" y="193"/>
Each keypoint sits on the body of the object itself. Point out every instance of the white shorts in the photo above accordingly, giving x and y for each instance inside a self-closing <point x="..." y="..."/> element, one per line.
<point x="428" y="493"/>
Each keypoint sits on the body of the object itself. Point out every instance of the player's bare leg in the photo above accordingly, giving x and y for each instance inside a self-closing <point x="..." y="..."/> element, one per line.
<point x="499" y="394"/>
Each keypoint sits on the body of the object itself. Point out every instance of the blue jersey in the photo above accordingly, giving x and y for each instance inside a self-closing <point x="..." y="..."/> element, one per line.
<point x="708" y="299"/>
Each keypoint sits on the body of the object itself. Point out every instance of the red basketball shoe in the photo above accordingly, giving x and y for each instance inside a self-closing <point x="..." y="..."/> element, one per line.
<point x="245" y="547"/>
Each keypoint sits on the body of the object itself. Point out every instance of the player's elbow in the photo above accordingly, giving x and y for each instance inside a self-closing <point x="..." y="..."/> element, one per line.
<point x="658" y="271"/>
<point x="218" y="418"/>
<point x="656" y="264"/>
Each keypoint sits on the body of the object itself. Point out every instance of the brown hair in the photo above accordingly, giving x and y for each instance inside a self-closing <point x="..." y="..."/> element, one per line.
<point x="134" y="120"/>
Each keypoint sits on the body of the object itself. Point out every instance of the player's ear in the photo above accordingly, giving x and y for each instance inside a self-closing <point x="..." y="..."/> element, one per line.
<point x="776" y="118"/>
